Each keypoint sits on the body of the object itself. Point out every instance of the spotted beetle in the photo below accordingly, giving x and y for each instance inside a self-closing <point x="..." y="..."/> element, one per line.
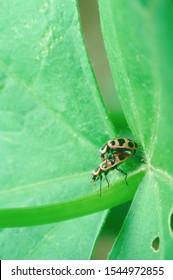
<point x="111" y="163"/>
<point x="123" y="145"/>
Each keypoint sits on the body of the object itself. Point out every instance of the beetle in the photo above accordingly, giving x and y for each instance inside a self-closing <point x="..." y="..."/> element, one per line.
<point x="123" y="145"/>
<point x="111" y="163"/>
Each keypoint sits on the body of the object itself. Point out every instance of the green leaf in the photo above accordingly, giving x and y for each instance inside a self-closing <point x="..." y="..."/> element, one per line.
<point x="48" y="88"/>
<point x="61" y="241"/>
<point x="52" y="123"/>
<point x="138" y="38"/>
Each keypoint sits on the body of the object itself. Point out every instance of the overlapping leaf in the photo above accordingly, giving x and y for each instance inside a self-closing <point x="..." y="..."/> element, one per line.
<point x="138" y="40"/>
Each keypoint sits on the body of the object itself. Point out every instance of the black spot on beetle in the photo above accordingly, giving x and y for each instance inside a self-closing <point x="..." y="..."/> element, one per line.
<point x="112" y="142"/>
<point x="121" y="157"/>
<point x="121" y="141"/>
<point x="97" y="169"/>
<point x="104" y="165"/>
<point x="131" y="144"/>
<point x="103" y="147"/>
<point x="112" y="160"/>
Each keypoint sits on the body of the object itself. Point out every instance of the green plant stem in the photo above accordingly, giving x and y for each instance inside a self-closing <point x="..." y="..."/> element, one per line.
<point x="30" y="216"/>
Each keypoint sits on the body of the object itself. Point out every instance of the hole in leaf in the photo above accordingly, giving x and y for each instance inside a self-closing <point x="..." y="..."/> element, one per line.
<point x="171" y="222"/>
<point x="156" y="243"/>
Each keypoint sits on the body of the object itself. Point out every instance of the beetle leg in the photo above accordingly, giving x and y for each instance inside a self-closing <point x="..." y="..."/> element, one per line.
<point x="100" y="184"/>
<point x="124" y="173"/>
<point x="107" y="180"/>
